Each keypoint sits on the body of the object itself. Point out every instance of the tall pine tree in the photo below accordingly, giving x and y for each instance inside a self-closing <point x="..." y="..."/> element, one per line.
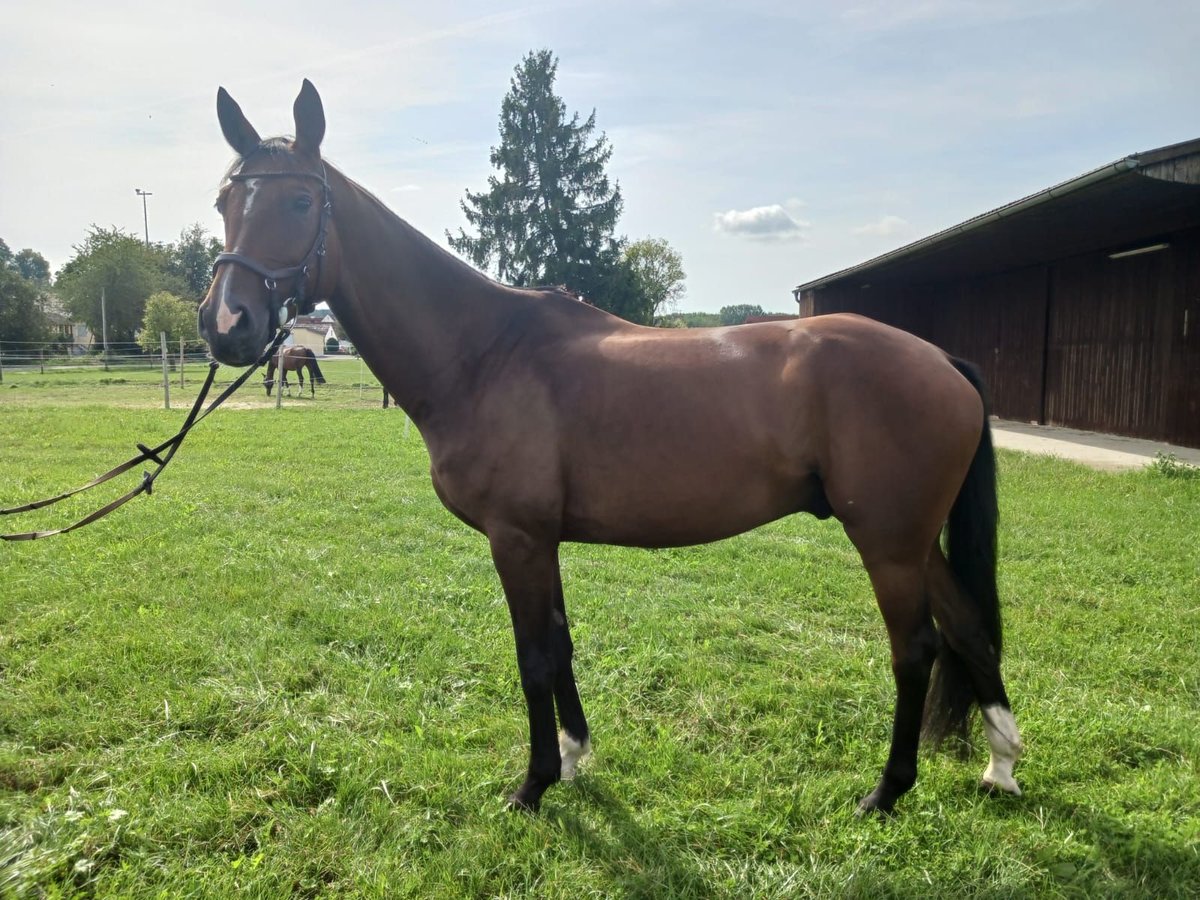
<point x="548" y="217"/>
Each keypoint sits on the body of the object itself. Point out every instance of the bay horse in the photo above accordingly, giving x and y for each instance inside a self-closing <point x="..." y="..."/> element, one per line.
<point x="549" y="420"/>
<point x="294" y="359"/>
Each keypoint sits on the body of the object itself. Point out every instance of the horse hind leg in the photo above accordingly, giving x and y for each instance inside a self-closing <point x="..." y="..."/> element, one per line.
<point x="900" y="592"/>
<point x="968" y="672"/>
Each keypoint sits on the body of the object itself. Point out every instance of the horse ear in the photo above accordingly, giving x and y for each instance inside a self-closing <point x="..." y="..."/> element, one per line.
<point x="240" y="133"/>
<point x="310" y="120"/>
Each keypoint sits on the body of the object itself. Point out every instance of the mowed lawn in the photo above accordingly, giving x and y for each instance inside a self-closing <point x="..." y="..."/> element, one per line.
<point x="290" y="672"/>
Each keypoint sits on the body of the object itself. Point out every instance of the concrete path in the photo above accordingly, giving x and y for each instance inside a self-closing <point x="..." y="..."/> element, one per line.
<point x="1107" y="452"/>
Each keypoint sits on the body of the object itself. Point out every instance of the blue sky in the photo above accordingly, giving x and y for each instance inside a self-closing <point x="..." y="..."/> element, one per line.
<point x="768" y="142"/>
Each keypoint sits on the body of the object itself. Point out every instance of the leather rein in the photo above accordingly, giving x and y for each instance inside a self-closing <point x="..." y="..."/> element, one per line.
<point x="163" y="453"/>
<point x="160" y="455"/>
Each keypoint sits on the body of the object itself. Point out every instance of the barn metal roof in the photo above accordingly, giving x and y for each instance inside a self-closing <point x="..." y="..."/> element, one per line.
<point x="1125" y="202"/>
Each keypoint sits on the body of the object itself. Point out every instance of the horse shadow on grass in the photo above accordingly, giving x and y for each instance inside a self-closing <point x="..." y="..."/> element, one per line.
<point x="636" y="859"/>
<point x="1117" y="855"/>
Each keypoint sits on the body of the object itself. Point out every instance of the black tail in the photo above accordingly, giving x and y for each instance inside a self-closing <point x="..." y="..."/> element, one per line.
<point x="971" y="553"/>
<point x="316" y="372"/>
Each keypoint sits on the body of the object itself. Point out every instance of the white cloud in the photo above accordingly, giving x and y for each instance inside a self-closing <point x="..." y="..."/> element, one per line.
<point x="885" y="226"/>
<point x="760" y="223"/>
<point x="406" y="188"/>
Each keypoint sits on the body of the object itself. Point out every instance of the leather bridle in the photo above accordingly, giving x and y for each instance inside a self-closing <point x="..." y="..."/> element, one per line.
<point x="272" y="277"/>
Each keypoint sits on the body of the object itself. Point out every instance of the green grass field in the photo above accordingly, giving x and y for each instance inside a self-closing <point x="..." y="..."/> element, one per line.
<point x="290" y="672"/>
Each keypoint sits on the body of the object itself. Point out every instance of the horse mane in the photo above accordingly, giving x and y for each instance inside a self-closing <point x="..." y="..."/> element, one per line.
<point x="283" y="147"/>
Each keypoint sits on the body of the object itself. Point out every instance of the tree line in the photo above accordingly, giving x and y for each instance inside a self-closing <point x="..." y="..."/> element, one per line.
<point x="548" y="216"/>
<point x="114" y="283"/>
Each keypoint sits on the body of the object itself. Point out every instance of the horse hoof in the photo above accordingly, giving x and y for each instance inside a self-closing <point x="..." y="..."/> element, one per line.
<point x="994" y="785"/>
<point x="875" y="804"/>
<point x="517" y="804"/>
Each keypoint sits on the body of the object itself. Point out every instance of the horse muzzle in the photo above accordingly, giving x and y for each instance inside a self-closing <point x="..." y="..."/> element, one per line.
<point x="235" y="331"/>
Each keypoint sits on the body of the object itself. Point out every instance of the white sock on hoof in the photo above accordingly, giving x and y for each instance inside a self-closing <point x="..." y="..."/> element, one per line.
<point x="572" y="752"/>
<point x="1005" y="743"/>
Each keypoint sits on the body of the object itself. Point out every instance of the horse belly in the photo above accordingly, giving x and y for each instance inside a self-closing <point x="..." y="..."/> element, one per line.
<point x="682" y="505"/>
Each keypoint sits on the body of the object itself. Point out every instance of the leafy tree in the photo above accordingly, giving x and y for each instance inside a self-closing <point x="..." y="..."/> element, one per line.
<point x="548" y="217"/>
<point x="739" y="313"/>
<point x="29" y="264"/>
<point x="191" y="259"/>
<point x="658" y="270"/>
<point x="700" y="319"/>
<point x="32" y="266"/>
<point x="120" y="266"/>
<point x="619" y="292"/>
<point x="21" y="316"/>
<point x="174" y="315"/>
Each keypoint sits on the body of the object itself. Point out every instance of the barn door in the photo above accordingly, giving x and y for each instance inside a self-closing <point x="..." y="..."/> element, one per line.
<point x="1183" y="389"/>
<point x="1108" y="355"/>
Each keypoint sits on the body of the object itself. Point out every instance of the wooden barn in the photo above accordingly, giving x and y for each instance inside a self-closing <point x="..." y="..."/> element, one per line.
<point x="1081" y="303"/>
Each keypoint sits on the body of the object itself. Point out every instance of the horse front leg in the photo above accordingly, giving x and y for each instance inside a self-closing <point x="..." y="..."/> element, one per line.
<point x="528" y="570"/>
<point x="574" y="739"/>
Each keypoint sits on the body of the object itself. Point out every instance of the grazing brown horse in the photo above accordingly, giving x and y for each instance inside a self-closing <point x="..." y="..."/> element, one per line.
<point x="548" y="420"/>
<point x="294" y="359"/>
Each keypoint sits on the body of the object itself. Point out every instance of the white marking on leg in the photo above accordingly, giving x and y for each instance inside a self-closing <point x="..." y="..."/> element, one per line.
<point x="1005" y="743"/>
<point x="572" y="752"/>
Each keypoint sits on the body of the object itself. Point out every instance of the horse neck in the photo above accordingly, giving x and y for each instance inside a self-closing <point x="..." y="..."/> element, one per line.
<point x="419" y="317"/>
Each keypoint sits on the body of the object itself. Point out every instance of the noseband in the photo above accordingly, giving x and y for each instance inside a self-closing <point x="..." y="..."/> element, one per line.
<point x="272" y="277"/>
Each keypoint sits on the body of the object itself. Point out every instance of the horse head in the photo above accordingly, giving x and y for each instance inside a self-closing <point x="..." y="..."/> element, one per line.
<point x="279" y="239"/>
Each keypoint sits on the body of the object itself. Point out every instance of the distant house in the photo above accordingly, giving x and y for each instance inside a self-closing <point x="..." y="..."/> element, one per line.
<point x="314" y="331"/>
<point x="311" y="336"/>
<point x="1080" y="303"/>
<point x="64" y="327"/>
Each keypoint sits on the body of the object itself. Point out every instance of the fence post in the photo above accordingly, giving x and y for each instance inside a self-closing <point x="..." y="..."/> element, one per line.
<point x="279" y="379"/>
<point x="162" y="336"/>
<point x="104" y="328"/>
<point x="42" y="359"/>
<point x="181" y="362"/>
<point x="1" y="365"/>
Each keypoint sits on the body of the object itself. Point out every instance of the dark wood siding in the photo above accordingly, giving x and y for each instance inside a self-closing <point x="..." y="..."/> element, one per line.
<point x="1108" y="348"/>
<point x="999" y="324"/>
<point x="1062" y="332"/>
<point x="1183" y="327"/>
<point x="1088" y="342"/>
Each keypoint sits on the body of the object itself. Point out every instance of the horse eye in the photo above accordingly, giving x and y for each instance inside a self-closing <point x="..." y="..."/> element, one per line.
<point x="302" y="204"/>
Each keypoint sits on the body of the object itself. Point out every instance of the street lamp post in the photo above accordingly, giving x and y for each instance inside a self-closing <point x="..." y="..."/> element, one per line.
<point x="145" y="215"/>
